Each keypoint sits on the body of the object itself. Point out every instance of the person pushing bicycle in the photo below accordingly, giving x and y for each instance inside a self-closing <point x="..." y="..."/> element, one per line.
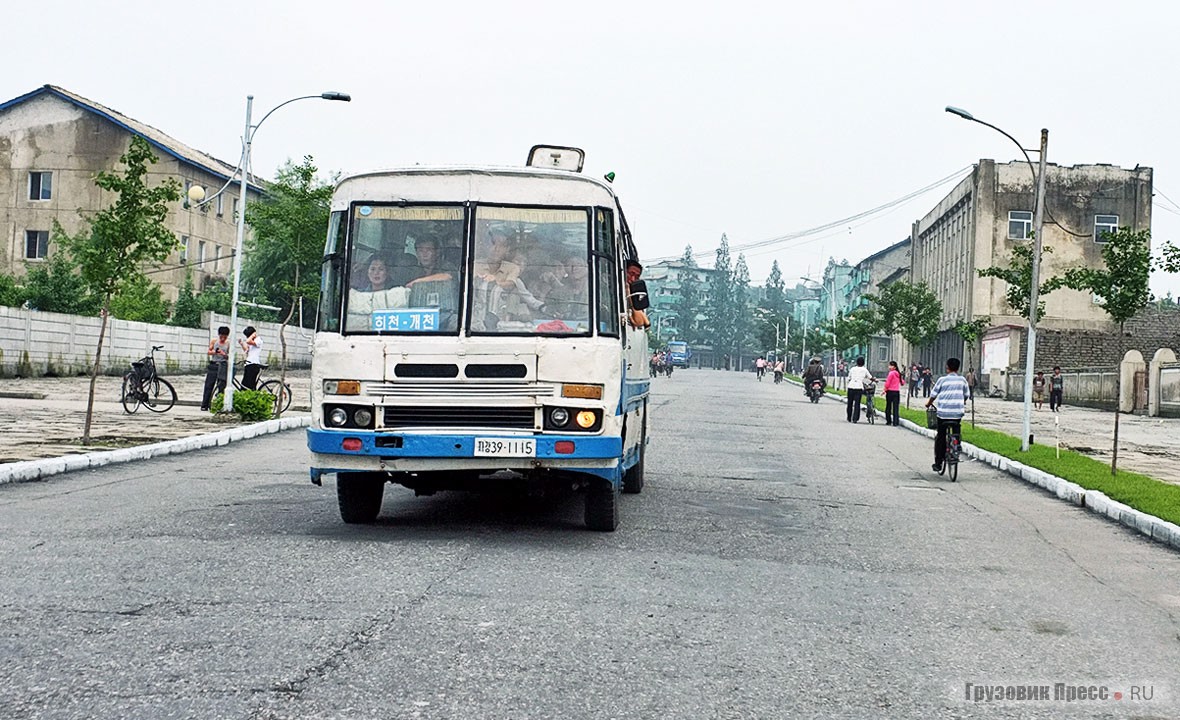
<point x="951" y="394"/>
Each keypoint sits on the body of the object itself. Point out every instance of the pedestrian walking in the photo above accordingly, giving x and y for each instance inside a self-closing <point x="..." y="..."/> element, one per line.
<point x="971" y="381"/>
<point x="915" y="380"/>
<point x="857" y="377"/>
<point x="927" y="381"/>
<point x="1039" y="389"/>
<point x="1056" y="388"/>
<point x="893" y="383"/>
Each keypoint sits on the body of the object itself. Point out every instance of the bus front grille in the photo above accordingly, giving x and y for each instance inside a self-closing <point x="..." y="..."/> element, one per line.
<point x="517" y="418"/>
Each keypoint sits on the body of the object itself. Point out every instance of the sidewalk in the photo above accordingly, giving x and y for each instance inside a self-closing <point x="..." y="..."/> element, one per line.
<point x="47" y="415"/>
<point x="1146" y="445"/>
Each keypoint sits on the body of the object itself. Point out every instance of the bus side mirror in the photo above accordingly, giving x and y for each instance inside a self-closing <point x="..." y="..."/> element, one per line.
<point x="638" y="295"/>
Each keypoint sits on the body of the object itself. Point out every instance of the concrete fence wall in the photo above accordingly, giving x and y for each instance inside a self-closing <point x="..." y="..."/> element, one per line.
<point x="1086" y="387"/>
<point x="34" y="343"/>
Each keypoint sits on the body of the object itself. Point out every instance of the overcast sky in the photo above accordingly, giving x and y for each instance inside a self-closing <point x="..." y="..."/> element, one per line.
<point x="753" y="119"/>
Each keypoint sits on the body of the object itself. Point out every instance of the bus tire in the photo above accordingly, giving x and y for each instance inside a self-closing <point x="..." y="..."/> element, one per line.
<point x="602" y="505"/>
<point x="359" y="495"/>
<point x="633" y="476"/>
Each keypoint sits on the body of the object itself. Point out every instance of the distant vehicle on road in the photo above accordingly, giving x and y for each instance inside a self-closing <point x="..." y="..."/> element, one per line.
<point x="679" y="353"/>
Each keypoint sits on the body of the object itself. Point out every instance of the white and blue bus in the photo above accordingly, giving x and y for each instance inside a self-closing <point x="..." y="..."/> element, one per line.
<point x="476" y="322"/>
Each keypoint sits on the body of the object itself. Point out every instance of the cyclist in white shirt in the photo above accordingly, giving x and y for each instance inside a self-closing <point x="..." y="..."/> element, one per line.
<point x="857" y="377"/>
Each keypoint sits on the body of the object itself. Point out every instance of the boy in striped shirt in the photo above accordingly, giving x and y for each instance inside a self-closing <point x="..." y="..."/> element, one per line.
<point x="951" y="392"/>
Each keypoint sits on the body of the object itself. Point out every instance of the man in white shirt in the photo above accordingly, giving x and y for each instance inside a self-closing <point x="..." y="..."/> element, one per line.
<point x="857" y="377"/>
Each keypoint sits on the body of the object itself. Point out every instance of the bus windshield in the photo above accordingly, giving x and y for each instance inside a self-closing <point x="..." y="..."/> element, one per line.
<point x="530" y="270"/>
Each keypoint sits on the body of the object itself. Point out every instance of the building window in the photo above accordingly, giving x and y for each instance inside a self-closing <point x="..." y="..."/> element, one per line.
<point x="183" y="249"/>
<point x="36" y="244"/>
<point x="216" y="258"/>
<point x="220" y="204"/>
<point x="188" y="185"/>
<point x="201" y="252"/>
<point x="235" y="209"/>
<point x="1104" y="224"/>
<point x="40" y="185"/>
<point x="1019" y="224"/>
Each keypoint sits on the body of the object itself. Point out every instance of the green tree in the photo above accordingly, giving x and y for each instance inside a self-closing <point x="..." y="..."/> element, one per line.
<point x="971" y="331"/>
<point x="187" y="311"/>
<point x="56" y="286"/>
<point x="12" y="293"/>
<point x="743" y="321"/>
<point x="1018" y="275"/>
<point x="721" y="310"/>
<point x="907" y="309"/>
<point x="121" y="238"/>
<point x="141" y="300"/>
<point x="1122" y="288"/>
<point x="852" y="329"/>
<point x="688" y="305"/>
<point x="1170" y="262"/>
<point x="289" y="224"/>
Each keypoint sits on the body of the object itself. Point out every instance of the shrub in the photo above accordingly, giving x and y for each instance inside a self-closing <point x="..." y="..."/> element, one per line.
<point x="250" y="405"/>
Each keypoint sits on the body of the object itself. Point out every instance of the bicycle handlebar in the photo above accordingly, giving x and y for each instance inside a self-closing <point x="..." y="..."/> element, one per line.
<point x="157" y="347"/>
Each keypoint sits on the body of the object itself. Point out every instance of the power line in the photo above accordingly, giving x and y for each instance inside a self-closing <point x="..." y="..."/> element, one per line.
<point x="781" y="239"/>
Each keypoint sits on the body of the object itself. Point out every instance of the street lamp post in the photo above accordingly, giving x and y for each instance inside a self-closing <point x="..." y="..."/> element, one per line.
<point x="247" y="142"/>
<point x="1035" y="270"/>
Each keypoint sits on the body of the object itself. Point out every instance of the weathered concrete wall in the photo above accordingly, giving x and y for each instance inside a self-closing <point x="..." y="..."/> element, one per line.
<point x="41" y="343"/>
<point x="1085" y="387"/>
<point x="1154" y="328"/>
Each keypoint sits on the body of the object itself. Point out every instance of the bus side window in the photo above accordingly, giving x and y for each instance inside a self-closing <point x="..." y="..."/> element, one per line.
<point x="607" y="276"/>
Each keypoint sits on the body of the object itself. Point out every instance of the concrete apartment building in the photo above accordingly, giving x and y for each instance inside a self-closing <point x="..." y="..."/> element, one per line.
<point x="866" y="278"/>
<point x="664" y="281"/>
<point x="52" y="144"/>
<point x="986" y="214"/>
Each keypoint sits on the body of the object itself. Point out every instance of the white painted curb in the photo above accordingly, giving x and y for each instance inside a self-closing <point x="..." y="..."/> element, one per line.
<point x="30" y="470"/>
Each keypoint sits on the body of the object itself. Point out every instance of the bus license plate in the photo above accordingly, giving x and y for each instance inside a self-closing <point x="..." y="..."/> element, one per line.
<point x="505" y="447"/>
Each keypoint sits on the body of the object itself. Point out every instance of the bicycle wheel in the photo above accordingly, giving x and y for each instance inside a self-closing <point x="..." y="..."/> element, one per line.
<point x="160" y="395"/>
<point x="952" y="457"/>
<point x="870" y="412"/>
<point x="281" y="392"/>
<point x="130" y="394"/>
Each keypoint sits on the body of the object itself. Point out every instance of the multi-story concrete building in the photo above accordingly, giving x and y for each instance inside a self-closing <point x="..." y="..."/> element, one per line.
<point x="977" y="224"/>
<point x="664" y="282"/>
<point x="52" y="144"/>
<point x="866" y="279"/>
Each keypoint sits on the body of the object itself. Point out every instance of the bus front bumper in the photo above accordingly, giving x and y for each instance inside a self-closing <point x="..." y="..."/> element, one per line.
<point x="414" y="452"/>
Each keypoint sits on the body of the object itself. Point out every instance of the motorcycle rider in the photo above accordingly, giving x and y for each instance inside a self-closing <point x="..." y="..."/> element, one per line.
<point x="814" y="371"/>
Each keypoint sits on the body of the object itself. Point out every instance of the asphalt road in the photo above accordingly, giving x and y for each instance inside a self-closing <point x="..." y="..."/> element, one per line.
<point x="779" y="563"/>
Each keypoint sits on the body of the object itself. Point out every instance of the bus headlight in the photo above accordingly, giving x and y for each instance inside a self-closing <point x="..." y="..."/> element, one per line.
<point x="363" y="418"/>
<point x="558" y="417"/>
<point x="586" y="419"/>
<point x="338" y="417"/>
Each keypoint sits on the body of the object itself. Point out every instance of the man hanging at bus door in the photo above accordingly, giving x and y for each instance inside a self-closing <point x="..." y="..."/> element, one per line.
<point x="637" y="304"/>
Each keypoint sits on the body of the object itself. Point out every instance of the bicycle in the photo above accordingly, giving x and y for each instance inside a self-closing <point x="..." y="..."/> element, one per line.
<point x="950" y="462"/>
<point x="281" y="392"/>
<point x="870" y="407"/>
<point x="142" y="385"/>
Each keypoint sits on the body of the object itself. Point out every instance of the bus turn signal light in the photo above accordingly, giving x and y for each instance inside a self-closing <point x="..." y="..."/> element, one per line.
<point x="342" y="387"/>
<point x="585" y="392"/>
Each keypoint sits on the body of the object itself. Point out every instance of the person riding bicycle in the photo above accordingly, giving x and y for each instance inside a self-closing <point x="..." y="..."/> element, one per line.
<point x="814" y="371"/>
<point x="760" y="366"/>
<point x="951" y="393"/>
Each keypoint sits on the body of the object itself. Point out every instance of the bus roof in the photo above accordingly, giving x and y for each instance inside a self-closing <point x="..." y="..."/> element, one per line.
<point x="487" y="184"/>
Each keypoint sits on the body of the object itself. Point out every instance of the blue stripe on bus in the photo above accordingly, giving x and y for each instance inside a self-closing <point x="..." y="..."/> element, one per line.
<point x="633" y="394"/>
<point x="328" y="442"/>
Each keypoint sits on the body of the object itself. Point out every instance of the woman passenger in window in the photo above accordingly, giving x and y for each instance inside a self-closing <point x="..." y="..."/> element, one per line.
<point x="376" y="275"/>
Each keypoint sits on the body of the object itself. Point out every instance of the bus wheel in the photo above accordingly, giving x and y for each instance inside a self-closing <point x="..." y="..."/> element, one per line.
<point x="633" y="476"/>
<point x="359" y="495"/>
<point x="602" y="505"/>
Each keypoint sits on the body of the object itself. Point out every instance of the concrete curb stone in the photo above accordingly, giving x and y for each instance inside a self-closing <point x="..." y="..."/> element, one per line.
<point x="31" y="470"/>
